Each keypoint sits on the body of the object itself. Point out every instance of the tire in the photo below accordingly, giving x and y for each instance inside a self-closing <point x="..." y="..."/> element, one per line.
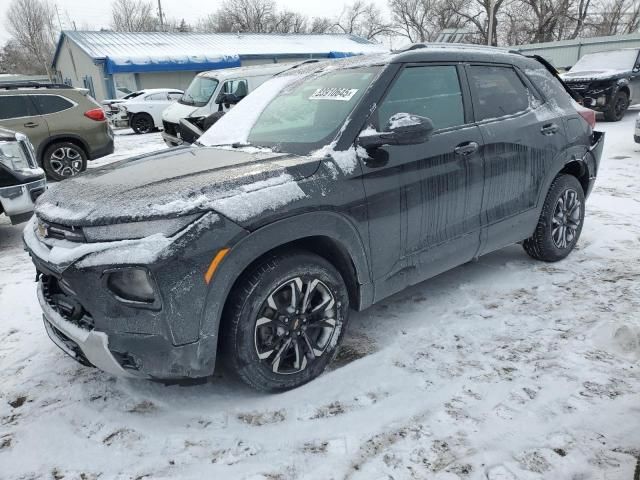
<point x="63" y="160"/>
<point x="275" y="349"/>
<point x="142" y="123"/>
<point x="560" y="222"/>
<point x="617" y="107"/>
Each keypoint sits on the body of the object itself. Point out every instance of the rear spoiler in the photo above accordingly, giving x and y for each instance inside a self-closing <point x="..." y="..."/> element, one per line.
<point x="555" y="73"/>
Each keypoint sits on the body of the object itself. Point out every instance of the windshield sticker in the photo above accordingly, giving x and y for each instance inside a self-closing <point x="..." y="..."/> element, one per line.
<point x="334" y="93"/>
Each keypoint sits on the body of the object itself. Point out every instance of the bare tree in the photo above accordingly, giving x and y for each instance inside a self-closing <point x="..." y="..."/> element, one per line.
<point x="133" y="16"/>
<point x="423" y="20"/>
<point x="246" y="15"/>
<point x="321" y="25"/>
<point x="15" y="59"/>
<point x="30" y="23"/>
<point x="288" y="21"/>
<point x="363" y="19"/>
<point x="617" y="17"/>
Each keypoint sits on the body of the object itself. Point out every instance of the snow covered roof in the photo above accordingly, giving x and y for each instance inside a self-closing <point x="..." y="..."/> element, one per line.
<point x="162" y="51"/>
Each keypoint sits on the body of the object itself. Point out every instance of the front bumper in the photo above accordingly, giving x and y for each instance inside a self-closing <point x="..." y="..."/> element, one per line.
<point x="18" y="201"/>
<point x="88" y="347"/>
<point x="171" y="140"/>
<point x="165" y="340"/>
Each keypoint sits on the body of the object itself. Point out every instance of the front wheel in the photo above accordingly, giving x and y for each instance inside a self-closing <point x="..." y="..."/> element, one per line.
<point x="617" y="108"/>
<point x="142" y="123"/>
<point x="284" y="321"/>
<point x="560" y="222"/>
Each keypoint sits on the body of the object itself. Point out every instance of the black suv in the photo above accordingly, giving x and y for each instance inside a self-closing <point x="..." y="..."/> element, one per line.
<point x="328" y="188"/>
<point x="608" y="81"/>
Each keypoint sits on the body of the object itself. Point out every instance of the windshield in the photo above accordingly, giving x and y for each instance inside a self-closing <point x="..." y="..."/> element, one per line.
<point x="294" y="114"/>
<point x="614" y="60"/>
<point x="199" y="91"/>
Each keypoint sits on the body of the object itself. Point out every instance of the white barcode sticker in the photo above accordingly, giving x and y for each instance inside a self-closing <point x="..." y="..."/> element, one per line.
<point x="334" y="93"/>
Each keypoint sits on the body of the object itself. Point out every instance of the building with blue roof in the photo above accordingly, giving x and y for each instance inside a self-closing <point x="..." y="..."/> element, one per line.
<point x="110" y="63"/>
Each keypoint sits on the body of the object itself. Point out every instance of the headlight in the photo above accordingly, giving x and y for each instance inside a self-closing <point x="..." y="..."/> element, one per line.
<point x="14" y="156"/>
<point x="136" y="230"/>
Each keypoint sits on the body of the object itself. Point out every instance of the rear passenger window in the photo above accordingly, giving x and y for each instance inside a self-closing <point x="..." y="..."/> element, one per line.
<point x="51" y="103"/>
<point x="432" y="92"/>
<point x="497" y="91"/>
<point x="15" y="106"/>
<point x="157" y="96"/>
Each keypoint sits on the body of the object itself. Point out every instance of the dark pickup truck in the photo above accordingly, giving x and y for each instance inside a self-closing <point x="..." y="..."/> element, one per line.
<point x="607" y="81"/>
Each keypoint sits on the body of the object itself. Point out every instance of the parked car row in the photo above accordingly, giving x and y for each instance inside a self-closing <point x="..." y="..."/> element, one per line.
<point x="328" y="188"/>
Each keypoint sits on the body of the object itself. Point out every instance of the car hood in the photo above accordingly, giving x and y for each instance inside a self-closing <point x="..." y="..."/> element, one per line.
<point x="237" y="183"/>
<point x="591" y="75"/>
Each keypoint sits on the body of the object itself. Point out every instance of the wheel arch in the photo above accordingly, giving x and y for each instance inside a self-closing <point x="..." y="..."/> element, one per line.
<point x="61" y="138"/>
<point x="327" y="234"/>
<point x="580" y="170"/>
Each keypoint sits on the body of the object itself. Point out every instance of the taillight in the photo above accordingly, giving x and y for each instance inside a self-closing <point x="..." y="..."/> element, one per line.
<point x="589" y="115"/>
<point x="96" y="114"/>
<point x="586" y="113"/>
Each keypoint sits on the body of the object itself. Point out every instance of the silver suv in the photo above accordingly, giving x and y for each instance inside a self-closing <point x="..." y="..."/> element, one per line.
<point x="65" y="125"/>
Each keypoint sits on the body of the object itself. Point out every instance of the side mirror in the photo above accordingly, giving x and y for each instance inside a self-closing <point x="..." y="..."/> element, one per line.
<point x="189" y="132"/>
<point x="228" y="99"/>
<point x="402" y="129"/>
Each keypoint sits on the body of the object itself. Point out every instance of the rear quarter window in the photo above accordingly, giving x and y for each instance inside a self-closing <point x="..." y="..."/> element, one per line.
<point x="48" y="104"/>
<point x="497" y="91"/>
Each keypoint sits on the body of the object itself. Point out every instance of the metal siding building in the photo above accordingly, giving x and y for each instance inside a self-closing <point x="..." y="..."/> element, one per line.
<point x="565" y="53"/>
<point x="105" y="61"/>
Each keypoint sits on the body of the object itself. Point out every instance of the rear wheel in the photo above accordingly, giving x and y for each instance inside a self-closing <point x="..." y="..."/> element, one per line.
<point x="618" y="106"/>
<point x="560" y="222"/>
<point x="284" y="321"/>
<point x="142" y="123"/>
<point x="63" y="160"/>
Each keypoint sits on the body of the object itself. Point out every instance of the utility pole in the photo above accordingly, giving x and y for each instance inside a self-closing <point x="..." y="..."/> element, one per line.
<point x="160" y="15"/>
<point x="490" y="33"/>
<point x="58" y="15"/>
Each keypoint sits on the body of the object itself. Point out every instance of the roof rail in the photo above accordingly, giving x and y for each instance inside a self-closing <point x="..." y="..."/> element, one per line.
<point x="298" y="65"/>
<point x="15" y="86"/>
<point x="470" y="46"/>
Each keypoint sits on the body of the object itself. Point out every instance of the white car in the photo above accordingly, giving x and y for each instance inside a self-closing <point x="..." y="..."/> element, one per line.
<point x="212" y="92"/>
<point x="636" y="133"/>
<point x="143" y="112"/>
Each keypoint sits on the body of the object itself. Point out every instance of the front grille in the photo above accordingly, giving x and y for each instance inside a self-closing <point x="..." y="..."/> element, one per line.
<point x="578" y="86"/>
<point x="64" y="301"/>
<point x="170" y="128"/>
<point x="60" y="232"/>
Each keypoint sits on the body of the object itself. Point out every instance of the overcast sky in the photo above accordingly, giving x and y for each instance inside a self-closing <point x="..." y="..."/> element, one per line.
<point x="97" y="13"/>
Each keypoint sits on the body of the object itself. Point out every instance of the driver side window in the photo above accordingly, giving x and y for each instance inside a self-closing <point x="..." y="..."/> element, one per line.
<point x="236" y="87"/>
<point x="429" y="91"/>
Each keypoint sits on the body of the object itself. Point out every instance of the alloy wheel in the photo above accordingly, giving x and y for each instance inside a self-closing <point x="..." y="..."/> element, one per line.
<point x="66" y="161"/>
<point x="295" y="324"/>
<point x="620" y="106"/>
<point x="566" y="219"/>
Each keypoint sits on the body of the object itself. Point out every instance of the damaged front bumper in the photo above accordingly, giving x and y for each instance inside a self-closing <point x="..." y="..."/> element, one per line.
<point x="89" y="347"/>
<point x="163" y="340"/>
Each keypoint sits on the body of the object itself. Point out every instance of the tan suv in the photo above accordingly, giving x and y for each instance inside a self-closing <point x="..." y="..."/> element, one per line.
<point x="65" y="125"/>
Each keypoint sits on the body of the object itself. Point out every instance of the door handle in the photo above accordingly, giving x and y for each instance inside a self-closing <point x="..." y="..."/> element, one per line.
<point x="31" y="125"/>
<point x="549" y="129"/>
<point x="466" y="148"/>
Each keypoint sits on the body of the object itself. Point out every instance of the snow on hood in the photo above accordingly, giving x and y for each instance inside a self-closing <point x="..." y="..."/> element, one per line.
<point x="588" y="75"/>
<point x="237" y="184"/>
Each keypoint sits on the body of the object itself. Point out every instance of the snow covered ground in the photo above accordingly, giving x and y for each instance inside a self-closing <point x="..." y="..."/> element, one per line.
<point x="505" y="368"/>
